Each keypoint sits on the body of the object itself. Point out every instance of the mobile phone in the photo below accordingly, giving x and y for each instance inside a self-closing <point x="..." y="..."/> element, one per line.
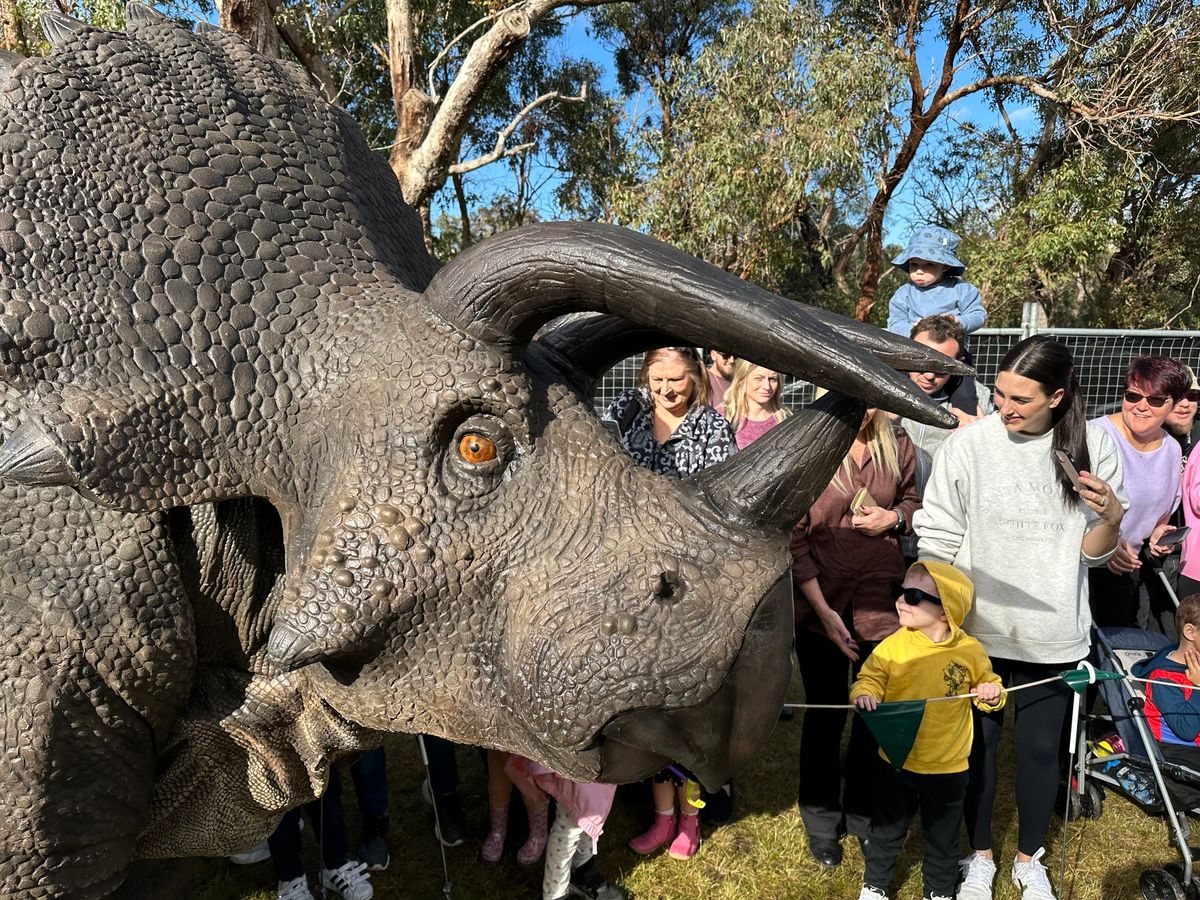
<point x="1068" y="466"/>
<point x="1171" y="538"/>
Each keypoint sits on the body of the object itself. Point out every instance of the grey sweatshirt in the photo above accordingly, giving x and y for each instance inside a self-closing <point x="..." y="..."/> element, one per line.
<point x="993" y="508"/>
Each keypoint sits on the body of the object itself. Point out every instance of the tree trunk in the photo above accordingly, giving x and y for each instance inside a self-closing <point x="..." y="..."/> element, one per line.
<point x="10" y="27"/>
<point x="872" y="271"/>
<point x="413" y="107"/>
<point x="464" y="214"/>
<point x="252" y="21"/>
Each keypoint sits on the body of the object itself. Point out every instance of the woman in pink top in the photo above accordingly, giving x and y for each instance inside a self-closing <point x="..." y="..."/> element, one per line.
<point x="1189" y="569"/>
<point x="753" y="404"/>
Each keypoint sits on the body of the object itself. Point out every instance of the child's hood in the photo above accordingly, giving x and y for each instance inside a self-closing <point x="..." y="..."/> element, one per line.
<point x="1160" y="660"/>
<point x="956" y="590"/>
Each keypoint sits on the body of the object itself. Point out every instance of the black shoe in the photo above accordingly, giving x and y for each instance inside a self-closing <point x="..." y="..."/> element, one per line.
<point x="448" y="825"/>
<point x="718" y="807"/>
<point x="587" y="883"/>
<point x="373" y="844"/>
<point x="827" y="852"/>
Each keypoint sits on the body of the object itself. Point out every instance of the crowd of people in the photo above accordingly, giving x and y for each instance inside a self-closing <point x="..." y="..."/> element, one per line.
<point x="936" y="563"/>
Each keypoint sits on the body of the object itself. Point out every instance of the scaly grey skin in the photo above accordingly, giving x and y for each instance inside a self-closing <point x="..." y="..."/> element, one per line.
<point x="272" y="483"/>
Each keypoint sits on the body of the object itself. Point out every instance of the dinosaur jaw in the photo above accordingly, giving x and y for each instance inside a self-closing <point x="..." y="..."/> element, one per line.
<point x="717" y="737"/>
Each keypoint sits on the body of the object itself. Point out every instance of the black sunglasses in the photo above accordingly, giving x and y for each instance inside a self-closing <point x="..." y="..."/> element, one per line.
<point x="1133" y="398"/>
<point x="913" y="596"/>
<point x="1192" y="395"/>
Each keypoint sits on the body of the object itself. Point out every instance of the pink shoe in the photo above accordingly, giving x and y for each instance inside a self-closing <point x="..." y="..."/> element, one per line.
<point x="687" y="842"/>
<point x="659" y="835"/>
<point x="533" y="848"/>
<point x="493" y="844"/>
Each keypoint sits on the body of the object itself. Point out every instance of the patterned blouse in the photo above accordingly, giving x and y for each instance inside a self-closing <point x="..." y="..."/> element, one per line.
<point x="702" y="439"/>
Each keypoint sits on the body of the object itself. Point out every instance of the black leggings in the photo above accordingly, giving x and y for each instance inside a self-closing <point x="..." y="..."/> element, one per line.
<point x="1037" y="731"/>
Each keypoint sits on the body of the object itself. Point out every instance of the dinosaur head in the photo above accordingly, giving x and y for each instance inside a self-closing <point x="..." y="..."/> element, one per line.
<point x="211" y="288"/>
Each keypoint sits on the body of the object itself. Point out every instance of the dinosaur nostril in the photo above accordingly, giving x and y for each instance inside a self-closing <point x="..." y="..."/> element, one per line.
<point x="669" y="587"/>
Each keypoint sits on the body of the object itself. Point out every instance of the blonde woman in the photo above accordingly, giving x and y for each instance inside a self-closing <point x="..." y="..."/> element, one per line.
<point x="845" y="558"/>
<point x="753" y="402"/>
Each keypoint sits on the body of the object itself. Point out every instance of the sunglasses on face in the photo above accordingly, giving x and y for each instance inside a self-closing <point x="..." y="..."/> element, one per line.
<point x="1133" y="398"/>
<point x="914" y="596"/>
<point x="1192" y="396"/>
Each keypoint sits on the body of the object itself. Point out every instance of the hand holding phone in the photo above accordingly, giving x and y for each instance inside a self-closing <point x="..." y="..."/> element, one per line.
<point x="1068" y="466"/>
<point x="1171" y="538"/>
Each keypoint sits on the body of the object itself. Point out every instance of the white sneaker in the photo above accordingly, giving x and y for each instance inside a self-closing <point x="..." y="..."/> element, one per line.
<point x="1031" y="878"/>
<point x="978" y="873"/>
<point x="350" y="880"/>
<point x="870" y="892"/>
<point x="296" y="889"/>
<point x="256" y="854"/>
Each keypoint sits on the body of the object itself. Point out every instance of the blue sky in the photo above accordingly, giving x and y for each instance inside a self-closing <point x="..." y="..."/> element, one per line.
<point x="902" y="216"/>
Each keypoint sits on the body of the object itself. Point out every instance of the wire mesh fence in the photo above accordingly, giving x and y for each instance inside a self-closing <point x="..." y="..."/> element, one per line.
<point x="1101" y="357"/>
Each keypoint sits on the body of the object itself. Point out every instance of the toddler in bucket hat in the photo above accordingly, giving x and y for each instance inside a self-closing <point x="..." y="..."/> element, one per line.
<point x="935" y="287"/>
<point x="932" y="244"/>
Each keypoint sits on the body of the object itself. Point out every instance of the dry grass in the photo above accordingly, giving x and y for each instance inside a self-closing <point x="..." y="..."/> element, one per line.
<point x="760" y="855"/>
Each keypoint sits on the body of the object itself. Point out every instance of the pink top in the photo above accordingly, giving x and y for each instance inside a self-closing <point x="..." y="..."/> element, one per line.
<point x="587" y="803"/>
<point x="752" y="431"/>
<point x="1191" y="517"/>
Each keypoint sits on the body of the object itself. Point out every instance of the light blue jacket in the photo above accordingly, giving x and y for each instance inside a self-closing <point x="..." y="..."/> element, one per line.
<point x="951" y="295"/>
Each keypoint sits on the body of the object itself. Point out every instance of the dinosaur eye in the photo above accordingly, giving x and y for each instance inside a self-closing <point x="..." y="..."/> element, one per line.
<point x="477" y="455"/>
<point x="476" y="448"/>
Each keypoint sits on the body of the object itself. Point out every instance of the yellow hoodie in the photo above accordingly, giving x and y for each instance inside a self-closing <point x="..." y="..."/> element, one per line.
<point x="909" y="666"/>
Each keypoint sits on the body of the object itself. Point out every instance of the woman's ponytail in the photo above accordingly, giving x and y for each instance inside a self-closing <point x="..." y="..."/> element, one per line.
<point x="1070" y="436"/>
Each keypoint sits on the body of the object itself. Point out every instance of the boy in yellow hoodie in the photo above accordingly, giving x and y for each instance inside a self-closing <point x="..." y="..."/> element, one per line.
<point x="928" y="656"/>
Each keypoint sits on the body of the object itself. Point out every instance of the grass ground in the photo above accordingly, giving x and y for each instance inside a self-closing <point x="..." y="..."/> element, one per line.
<point x="762" y="854"/>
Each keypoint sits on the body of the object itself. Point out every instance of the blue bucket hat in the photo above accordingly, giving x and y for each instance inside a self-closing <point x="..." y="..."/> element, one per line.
<point x="933" y="244"/>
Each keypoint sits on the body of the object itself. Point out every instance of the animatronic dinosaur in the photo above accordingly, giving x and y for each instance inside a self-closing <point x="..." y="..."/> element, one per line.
<point x="272" y="483"/>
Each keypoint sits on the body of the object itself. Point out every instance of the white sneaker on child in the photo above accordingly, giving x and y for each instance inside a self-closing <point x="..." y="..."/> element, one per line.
<point x="1032" y="879"/>
<point x="870" y="892"/>
<point x="978" y="872"/>
<point x="350" y="880"/>
<point x="296" y="889"/>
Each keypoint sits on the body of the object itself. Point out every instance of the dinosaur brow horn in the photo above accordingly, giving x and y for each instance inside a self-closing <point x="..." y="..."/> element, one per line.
<point x="504" y="289"/>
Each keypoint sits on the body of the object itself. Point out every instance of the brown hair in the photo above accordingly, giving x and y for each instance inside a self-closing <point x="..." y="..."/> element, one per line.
<point x="690" y="358"/>
<point x="941" y="327"/>
<point x="1188" y="613"/>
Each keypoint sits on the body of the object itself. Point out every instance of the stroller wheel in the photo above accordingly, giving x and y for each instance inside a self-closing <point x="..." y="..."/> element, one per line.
<point x="1159" y="884"/>
<point x="1088" y="805"/>
<point x="1091" y="801"/>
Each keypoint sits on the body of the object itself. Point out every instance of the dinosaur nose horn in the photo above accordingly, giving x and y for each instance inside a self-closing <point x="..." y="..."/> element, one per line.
<point x="771" y="483"/>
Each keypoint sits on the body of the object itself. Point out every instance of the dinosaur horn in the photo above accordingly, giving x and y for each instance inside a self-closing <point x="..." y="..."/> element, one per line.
<point x="504" y="289"/>
<point x="59" y="28"/>
<point x="586" y="345"/>
<point x="772" y="483"/>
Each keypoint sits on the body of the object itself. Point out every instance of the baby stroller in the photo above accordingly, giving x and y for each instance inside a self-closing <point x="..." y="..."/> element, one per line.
<point x="1138" y="771"/>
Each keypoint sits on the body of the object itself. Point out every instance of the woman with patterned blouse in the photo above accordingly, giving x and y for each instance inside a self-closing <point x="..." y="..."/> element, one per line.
<point x="667" y="426"/>
<point x="665" y="422"/>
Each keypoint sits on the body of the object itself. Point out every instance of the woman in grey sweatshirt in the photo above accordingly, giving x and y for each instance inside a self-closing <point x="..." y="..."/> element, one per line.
<point x="999" y="507"/>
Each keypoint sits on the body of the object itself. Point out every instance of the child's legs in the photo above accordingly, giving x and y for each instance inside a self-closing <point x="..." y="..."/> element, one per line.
<point x="663" y="793"/>
<point x="685" y="808"/>
<point x="562" y="850"/>
<point x="284" y="844"/>
<point x="895" y="805"/>
<point x="1183" y="796"/>
<point x="369" y="773"/>
<point x="329" y="823"/>
<point x="941" y="823"/>
<point x="499" y="784"/>
<point x="981" y="771"/>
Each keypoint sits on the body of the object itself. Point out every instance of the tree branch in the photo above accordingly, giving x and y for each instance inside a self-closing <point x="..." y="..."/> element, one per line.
<point x="500" y="151"/>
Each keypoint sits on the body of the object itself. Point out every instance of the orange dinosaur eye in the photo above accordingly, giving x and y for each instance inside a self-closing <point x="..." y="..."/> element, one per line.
<point x="475" y="448"/>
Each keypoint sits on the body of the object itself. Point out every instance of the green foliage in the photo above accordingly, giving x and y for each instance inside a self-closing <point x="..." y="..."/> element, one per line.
<point x="771" y="125"/>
